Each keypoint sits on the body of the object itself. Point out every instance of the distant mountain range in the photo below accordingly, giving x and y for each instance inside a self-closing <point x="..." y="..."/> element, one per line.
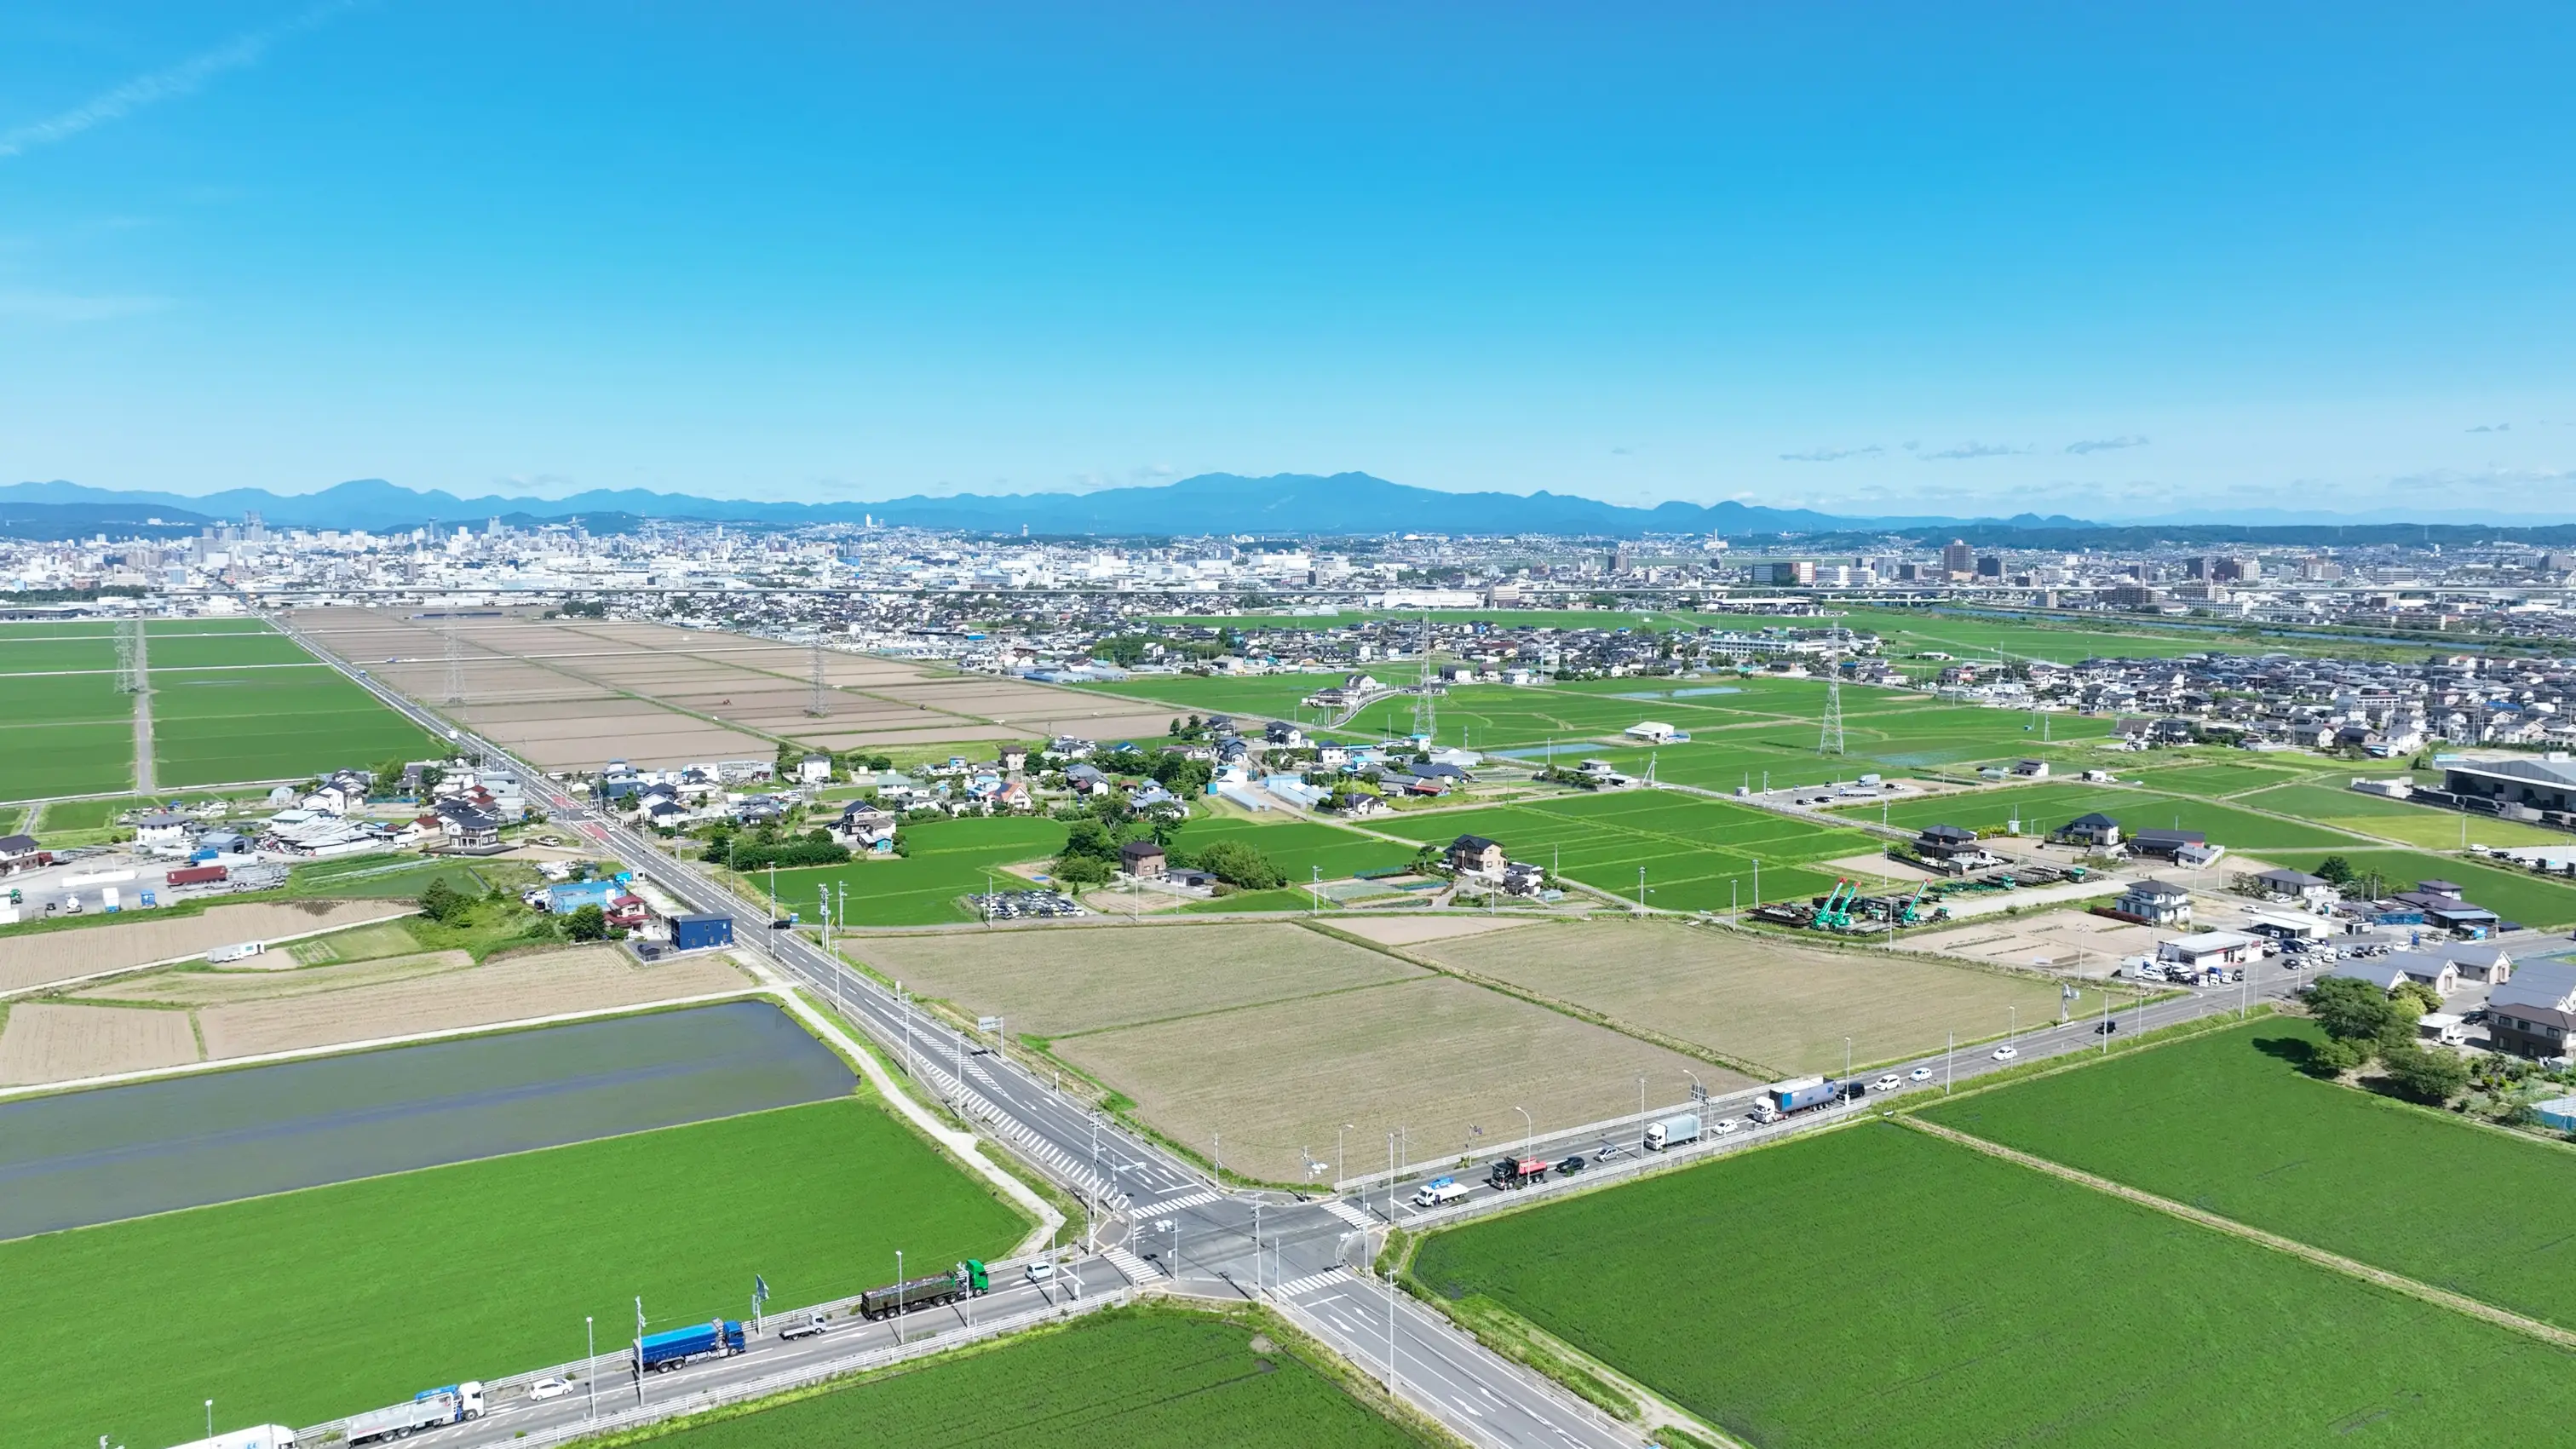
<point x="1211" y="503"/>
<point x="1281" y="505"/>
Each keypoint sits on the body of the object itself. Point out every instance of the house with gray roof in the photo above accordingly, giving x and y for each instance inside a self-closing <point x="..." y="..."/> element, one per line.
<point x="2533" y="1014"/>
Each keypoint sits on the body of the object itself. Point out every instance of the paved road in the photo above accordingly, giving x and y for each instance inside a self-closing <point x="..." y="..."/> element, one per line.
<point x="1173" y="1218"/>
<point x="615" y="1384"/>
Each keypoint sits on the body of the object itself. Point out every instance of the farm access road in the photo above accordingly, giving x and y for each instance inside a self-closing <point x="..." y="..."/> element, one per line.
<point x="1202" y="1235"/>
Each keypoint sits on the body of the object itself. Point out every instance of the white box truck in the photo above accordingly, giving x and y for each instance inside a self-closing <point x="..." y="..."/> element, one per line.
<point x="1672" y="1132"/>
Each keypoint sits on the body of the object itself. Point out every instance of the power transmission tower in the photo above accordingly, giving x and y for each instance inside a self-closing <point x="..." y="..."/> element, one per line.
<point x="455" y="663"/>
<point x="820" y="704"/>
<point x="129" y="648"/>
<point x="1831" y="742"/>
<point x="1426" y="710"/>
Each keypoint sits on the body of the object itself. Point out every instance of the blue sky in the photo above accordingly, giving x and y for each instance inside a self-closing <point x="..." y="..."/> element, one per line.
<point x="1870" y="258"/>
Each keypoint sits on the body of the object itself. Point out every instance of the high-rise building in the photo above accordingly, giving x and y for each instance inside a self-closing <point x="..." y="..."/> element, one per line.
<point x="1958" y="558"/>
<point x="1990" y="567"/>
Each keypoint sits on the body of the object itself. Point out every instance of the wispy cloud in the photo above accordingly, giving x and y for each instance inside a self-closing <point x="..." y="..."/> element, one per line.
<point x="2492" y="428"/>
<point x="1830" y="455"/>
<point x="63" y="307"/>
<point x="2107" y="445"/>
<point x="1975" y="450"/>
<point x="184" y="79"/>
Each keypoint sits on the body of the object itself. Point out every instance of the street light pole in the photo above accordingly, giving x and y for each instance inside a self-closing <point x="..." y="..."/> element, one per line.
<point x="1846" y="1059"/>
<point x="590" y="1363"/>
<point x="1341" y="1164"/>
<point x="1529" y="1130"/>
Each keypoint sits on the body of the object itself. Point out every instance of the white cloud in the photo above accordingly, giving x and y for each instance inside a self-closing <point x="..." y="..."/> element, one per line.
<point x="2105" y="445"/>
<point x="1831" y="455"/>
<point x="1976" y="450"/>
<point x="184" y="79"/>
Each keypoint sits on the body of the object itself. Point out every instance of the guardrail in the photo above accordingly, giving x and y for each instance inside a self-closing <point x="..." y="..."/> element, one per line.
<point x="618" y="1359"/>
<point x="1628" y="1122"/>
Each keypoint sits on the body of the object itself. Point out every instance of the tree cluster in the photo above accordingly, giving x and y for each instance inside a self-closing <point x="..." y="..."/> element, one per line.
<point x="2362" y="1022"/>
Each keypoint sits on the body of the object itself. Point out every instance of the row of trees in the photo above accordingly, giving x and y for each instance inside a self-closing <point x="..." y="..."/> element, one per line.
<point x="1090" y="855"/>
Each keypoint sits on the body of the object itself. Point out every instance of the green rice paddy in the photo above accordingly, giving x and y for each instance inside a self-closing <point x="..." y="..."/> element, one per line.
<point x="2042" y="809"/>
<point x="1153" y="1378"/>
<point x="1877" y="1286"/>
<point x="219" y="725"/>
<point x="2229" y="1123"/>
<point x="1697" y="853"/>
<point x="309" y="1305"/>
<point x="949" y="859"/>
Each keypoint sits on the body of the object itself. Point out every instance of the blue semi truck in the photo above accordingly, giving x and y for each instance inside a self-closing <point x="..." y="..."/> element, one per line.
<point x="662" y="1352"/>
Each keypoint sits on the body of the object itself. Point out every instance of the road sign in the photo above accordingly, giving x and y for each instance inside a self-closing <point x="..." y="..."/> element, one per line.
<point x="988" y="1024"/>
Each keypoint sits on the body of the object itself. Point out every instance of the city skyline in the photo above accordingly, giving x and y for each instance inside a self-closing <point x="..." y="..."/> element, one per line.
<point x="1857" y="261"/>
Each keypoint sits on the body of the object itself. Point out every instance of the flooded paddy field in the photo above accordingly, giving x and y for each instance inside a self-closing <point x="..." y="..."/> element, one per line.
<point x="120" y="1152"/>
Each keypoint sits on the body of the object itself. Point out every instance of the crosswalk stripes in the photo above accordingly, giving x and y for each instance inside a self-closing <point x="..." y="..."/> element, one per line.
<point x="1136" y="1269"/>
<point x="1195" y="1199"/>
<point x="979" y="1074"/>
<point x="1349" y="1214"/>
<point x="1309" y="1283"/>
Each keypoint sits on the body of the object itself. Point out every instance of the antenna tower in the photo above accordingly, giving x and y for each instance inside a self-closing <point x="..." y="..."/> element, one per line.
<point x="129" y="650"/>
<point x="455" y="663"/>
<point x="819" y="705"/>
<point x="1831" y="741"/>
<point x="1426" y="709"/>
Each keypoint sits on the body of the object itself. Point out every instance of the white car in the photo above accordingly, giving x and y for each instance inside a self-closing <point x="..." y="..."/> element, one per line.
<point x="1724" y="1125"/>
<point x="549" y="1389"/>
<point x="1919" y="1074"/>
<point x="2005" y="1053"/>
<point x="1888" y="1083"/>
<point x="1041" y="1271"/>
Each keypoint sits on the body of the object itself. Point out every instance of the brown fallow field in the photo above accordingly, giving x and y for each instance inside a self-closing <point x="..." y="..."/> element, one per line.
<point x="1776" y="1005"/>
<point x="1270" y="1036"/>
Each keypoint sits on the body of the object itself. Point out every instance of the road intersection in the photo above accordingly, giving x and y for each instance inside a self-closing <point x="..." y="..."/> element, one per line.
<point x="1160" y="1221"/>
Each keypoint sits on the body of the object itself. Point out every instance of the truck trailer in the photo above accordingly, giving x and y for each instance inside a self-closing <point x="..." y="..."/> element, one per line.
<point x="1674" y="1131"/>
<point x="1517" y="1172"/>
<point x="428" y="1409"/>
<point x="259" y="1436"/>
<point x="663" y="1352"/>
<point x="1801" y="1093"/>
<point x="966" y="1280"/>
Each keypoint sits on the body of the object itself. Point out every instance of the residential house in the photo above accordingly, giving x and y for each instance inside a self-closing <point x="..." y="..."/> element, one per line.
<point x="163" y="832"/>
<point x="1523" y="879"/>
<point x="2385" y="972"/>
<point x="2031" y="769"/>
<point x="1475" y="855"/>
<point x="2297" y="885"/>
<point x="1142" y="859"/>
<point x="2097" y="830"/>
<point x="1281" y="733"/>
<point x="20" y="852"/>
<point x="864" y="827"/>
<point x="814" y="770"/>
<point x="1086" y="780"/>
<point x="468" y="827"/>
<point x="2156" y="902"/>
<point x="2534" y="1014"/>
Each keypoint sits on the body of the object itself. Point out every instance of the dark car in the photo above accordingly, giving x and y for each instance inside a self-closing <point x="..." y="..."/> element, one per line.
<point x="1572" y="1165"/>
<point x="2105" y="1027"/>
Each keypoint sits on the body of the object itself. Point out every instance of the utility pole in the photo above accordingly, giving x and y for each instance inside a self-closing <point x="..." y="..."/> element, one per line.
<point x="819" y="703"/>
<point x="455" y="663"/>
